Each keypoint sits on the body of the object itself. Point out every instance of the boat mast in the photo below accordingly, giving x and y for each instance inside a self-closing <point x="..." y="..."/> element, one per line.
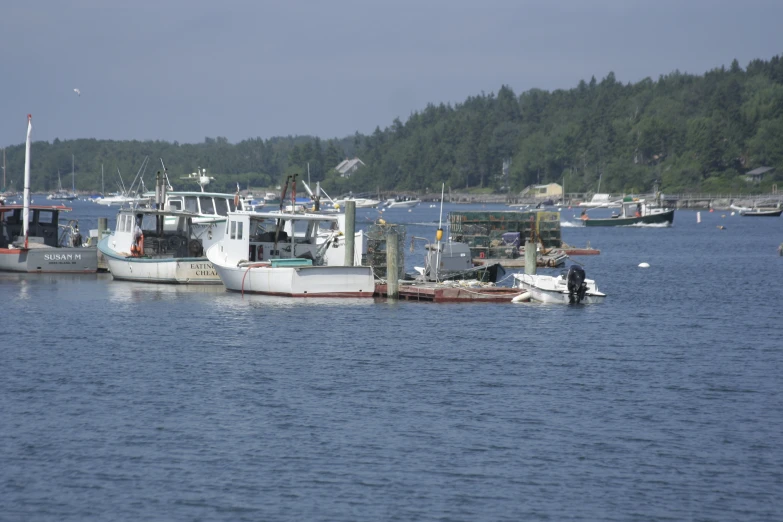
<point x="26" y="212"/>
<point x="439" y="233"/>
<point x="3" y="168"/>
<point x="73" y="179"/>
<point x="103" y="190"/>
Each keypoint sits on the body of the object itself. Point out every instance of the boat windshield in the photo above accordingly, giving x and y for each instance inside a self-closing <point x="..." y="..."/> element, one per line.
<point x="207" y="206"/>
<point x="221" y="206"/>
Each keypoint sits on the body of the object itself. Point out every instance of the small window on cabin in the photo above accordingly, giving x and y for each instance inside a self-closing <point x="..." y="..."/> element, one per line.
<point x="128" y="221"/>
<point x="239" y="230"/>
<point x="221" y="206"/>
<point x="233" y="234"/>
<point x="231" y="206"/>
<point x="191" y="204"/>
<point x="175" y="205"/>
<point x="207" y="207"/>
<point x="45" y="217"/>
<point x="173" y="223"/>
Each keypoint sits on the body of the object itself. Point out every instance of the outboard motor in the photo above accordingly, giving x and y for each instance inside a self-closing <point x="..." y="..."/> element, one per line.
<point x="576" y="284"/>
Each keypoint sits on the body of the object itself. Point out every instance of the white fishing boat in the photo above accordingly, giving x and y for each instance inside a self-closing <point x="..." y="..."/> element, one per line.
<point x="401" y="203"/>
<point x="32" y="239"/>
<point x="295" y="255"/>
<point x="570" y="287"/>
<point x="360" y="202"/>
<point x="160" y="246"/>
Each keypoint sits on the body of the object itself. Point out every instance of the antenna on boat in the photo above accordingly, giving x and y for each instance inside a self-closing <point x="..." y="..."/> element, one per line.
<point x="26" y="211"/>
<point x="439" y="233"/>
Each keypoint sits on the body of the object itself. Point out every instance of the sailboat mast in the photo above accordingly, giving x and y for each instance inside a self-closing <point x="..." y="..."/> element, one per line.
<point x="26" y="211"/>
<point x="103" y="190"/>
<point x="73" y="178"/>
<point x="3" y="168"/>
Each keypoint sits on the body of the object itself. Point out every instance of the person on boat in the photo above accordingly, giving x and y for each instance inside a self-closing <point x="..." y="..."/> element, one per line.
<point x="584" y="216"/>
<point x="137" y="247"/>
<point x="76" y="236"/>
<point x="638" y="212"/>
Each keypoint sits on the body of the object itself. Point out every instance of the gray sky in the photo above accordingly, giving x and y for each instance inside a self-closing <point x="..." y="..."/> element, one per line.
<point x="180" y="70"/>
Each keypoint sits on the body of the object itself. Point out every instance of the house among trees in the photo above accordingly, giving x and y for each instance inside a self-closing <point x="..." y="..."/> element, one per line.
<point x="552" y="190"/>
<point x="348" y="167"/>
<point x="755" y="175"/>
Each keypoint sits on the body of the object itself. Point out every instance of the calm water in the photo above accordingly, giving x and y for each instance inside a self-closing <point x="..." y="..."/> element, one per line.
<point x="122" y="401"/>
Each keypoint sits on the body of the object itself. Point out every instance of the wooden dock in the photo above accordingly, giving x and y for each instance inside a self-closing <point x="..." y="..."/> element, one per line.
<point x="445" y="293"/>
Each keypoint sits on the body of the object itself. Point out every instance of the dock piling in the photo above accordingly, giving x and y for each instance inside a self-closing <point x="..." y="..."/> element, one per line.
<point x="530" y="258"/>
<point x="350" y="231"/>
<point x="392" y="270"/>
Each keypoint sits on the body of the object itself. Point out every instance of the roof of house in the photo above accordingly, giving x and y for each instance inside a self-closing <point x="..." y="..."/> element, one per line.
<point x="347" y="165"/>
<point x="759" y="171"/>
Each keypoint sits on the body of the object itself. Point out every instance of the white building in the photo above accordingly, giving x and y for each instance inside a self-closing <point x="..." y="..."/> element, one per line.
<point x="348" y="167"/>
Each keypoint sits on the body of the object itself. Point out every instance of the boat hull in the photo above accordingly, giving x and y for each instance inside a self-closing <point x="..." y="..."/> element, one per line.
<point x="185" y="270"/>
<point x="73" y="260"/>
<point x="659" y="218"/>
<point x="403" y="204"/>
<point x="761" y="213"/>
<point x="300" y="281"/>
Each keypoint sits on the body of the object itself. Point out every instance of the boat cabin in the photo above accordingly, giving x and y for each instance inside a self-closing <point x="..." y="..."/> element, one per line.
<point x="43" y="225"/>
<point x="165" y="234"/>
<point x="263" y="236"/>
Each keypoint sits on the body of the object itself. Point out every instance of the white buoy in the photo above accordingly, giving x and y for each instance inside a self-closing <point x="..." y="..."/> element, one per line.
<point x="698" y="217"/>
<point x="644" y="265"/>
<point x="521" y="298"/>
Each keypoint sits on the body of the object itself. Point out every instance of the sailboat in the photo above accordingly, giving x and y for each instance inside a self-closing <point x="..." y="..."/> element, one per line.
<point x="61" y="194"/>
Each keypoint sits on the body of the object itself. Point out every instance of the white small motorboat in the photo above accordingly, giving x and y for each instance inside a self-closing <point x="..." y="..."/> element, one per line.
<point x="570" y="287"/>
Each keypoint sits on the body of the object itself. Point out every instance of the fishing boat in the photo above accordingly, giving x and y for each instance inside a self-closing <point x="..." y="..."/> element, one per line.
<point x="569" y="287"/>
<point x="160" y="246"/>
<point x="451" y="261"/>
<point x="32" y="239"/>
<point x="275" y="253"/>
<point x="401" y="202"/>
<point x="758" y="211"/>
<point x="633" y="211"/>
<point x="360" y="202"/>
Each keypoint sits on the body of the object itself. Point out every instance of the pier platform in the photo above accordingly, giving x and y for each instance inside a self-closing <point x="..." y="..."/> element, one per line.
<point x="444" y="293"/>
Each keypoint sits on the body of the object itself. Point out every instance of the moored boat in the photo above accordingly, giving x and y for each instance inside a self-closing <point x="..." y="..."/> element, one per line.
<point x="160" y="246"/>
<point x="570" y="287"/>
<point x="32" y="239"/>
<point x="282" y="254"/>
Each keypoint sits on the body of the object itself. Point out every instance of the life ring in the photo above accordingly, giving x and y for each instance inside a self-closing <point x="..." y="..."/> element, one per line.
<point x="481" y="255"/>
<point x="260" y="253"/>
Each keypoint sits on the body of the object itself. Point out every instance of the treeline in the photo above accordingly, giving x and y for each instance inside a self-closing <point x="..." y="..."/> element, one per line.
<point x="684" y="132"/>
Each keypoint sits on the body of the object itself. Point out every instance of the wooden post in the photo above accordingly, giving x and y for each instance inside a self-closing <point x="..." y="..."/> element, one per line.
<point x="530" y="258"/>
<point x="392" y="270"/>
<point x="350" y="231"/>
<point x="103" y="227"/>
